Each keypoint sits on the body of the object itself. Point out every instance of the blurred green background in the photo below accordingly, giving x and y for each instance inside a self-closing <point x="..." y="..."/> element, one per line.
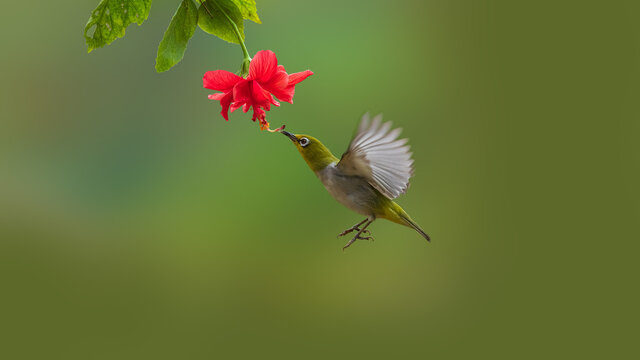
<point x="135" y="223"/>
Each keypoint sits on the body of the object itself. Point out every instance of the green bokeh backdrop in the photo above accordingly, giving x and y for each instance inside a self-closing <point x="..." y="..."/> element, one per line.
<point x="135" y="223"/>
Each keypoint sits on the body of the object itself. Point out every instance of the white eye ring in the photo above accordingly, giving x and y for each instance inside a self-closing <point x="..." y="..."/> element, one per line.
<point x="304" y="141"/>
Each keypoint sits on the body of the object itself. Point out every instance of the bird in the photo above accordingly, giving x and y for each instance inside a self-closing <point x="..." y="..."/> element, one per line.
<point x="373" y="171"/>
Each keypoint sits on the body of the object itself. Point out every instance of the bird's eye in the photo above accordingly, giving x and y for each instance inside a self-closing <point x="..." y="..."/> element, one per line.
<point x="304" y="141"/>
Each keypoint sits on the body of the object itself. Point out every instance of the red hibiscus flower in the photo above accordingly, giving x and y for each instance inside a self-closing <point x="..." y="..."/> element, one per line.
<point x="266" y="79"/>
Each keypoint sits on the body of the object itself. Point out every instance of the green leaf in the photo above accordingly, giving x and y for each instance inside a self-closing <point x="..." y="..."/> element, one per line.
<point x="180" y="30"/>
<point x="211" y="19"/>
<point x="110" y="19"/>
<point x="248" y="10"/>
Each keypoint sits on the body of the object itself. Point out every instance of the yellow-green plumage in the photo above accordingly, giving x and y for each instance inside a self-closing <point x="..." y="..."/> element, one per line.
<point x="316" y="155"/>
<point x="374" y="170"/>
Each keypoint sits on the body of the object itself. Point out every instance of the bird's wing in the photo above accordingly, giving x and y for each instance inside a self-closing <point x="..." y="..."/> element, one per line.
<point x="376" y="154"/>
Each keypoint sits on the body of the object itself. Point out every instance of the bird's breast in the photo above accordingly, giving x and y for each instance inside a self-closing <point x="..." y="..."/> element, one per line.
<point x="354" y="192"/>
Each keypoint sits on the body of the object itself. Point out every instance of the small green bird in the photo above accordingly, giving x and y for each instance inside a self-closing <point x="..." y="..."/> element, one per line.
<point x="375" y="170"/>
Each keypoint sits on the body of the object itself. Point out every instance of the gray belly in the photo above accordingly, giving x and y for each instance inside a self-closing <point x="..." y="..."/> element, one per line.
<point x="353" y="192"/>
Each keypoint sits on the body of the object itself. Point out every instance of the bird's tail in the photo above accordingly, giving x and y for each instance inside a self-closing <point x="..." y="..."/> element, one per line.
<point x="412" y="224"/>
<point x="395" y="213"/>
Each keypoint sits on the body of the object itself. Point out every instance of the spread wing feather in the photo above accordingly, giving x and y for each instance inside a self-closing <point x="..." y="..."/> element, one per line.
<point x="377" y="154"/>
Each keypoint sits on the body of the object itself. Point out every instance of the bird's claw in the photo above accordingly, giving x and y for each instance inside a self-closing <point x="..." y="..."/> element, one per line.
<point x="352" y="230"/>
<point x="370" y="238"/>
<point x="348" y="231"/>
<point x="355" y="227"/>
<point x="361" y="231"/>
<point x="359" y="237"/>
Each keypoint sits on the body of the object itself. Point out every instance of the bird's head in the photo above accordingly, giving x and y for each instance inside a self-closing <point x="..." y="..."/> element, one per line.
<point x="312" y="150"/>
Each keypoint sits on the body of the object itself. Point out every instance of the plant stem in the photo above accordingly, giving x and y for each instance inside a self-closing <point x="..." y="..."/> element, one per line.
<point x="245" y="53"/>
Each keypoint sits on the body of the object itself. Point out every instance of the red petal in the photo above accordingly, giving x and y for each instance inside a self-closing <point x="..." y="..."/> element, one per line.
<point x="299" y="76"/>
<point x="277" y="83"/>
<point x="220" y="80"/>
<point x="258" y="93"/>
<point x="235" y="106"/>
<point x="285" y="94"/>
<point x="262" y="66"/>
<point x="241" y="92"/>
<point x="260" y="96"/>
<point x="225" y="101"/>
<point x="280" y="79"/>
<point x="217" y="96"/>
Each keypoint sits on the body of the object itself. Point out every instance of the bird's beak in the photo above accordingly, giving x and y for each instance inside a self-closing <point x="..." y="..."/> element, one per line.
<point x="290" y="135"/>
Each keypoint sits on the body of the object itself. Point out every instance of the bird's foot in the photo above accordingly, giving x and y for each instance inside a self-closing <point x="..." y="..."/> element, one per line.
<point x="359" y="237"/>
<point x="348" y="231"/>
<point x="355" y="228"/>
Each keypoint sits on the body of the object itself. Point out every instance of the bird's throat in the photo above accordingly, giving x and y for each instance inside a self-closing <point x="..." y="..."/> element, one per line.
<point x="318" y="160"/>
